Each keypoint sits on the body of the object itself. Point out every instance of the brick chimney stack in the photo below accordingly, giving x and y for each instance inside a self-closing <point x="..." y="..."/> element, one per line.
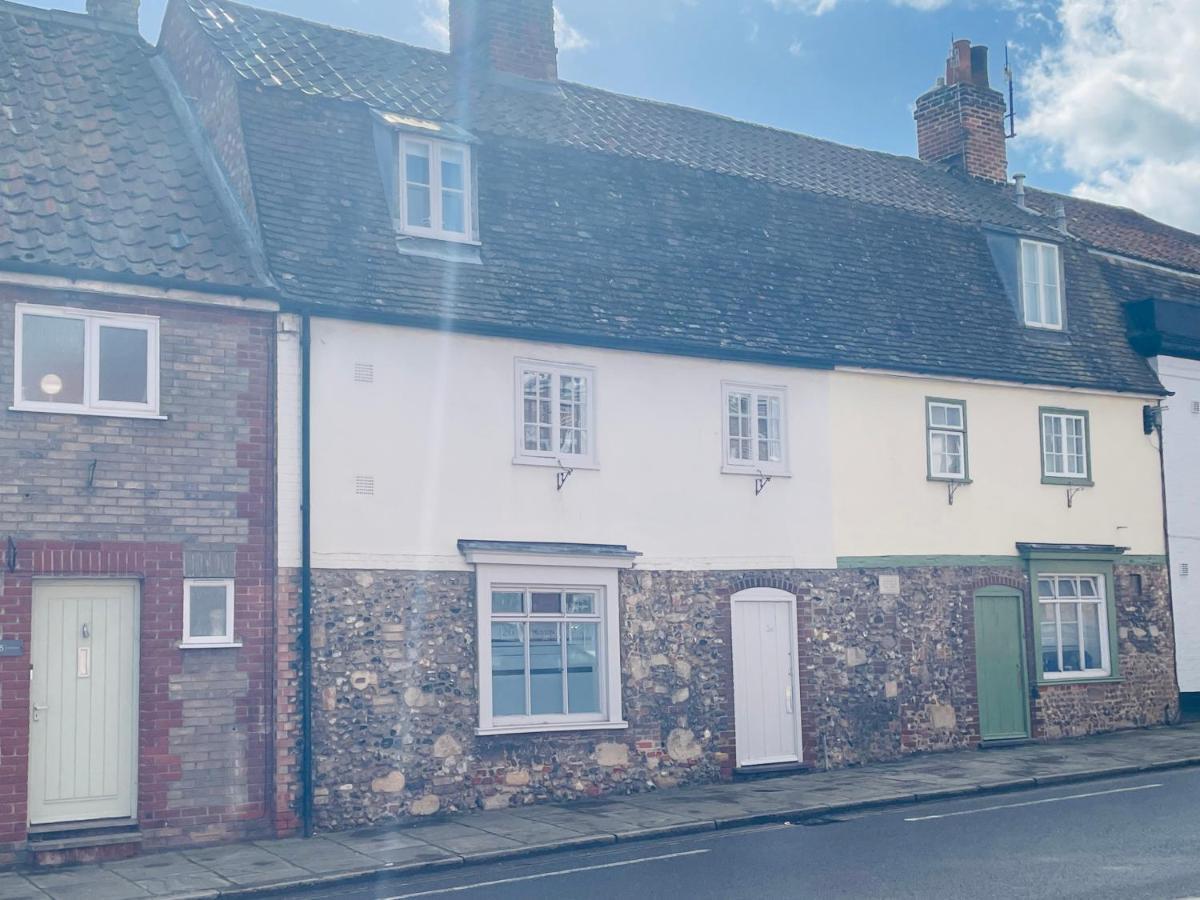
<point x="961" y="121"/>
<point x="118" y="12"/>
<point x="509" y="37"/>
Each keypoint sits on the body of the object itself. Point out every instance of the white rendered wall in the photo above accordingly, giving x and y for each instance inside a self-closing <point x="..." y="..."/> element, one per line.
<point x="435" y="430"/>
<point x="1181" y="443"/>
<point x="884" y="505"/>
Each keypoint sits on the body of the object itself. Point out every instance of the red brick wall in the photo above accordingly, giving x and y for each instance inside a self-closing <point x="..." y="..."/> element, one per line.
<point x="201" y="480"/>
<point x="963" y="124"/>
<point x="513" y="36"/>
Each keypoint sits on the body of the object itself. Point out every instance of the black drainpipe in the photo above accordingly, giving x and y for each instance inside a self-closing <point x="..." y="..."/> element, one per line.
<point x="1166" y="522"/>
<point x="306" y="692"/>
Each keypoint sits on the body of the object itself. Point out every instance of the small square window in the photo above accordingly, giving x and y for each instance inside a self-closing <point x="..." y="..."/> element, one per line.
<point x="555" y="414"/>
<point x="85" y="361"/>
<point x="208" y="613"/>
<point x="946" y="439"/>
<point x="1066" y="453"/>
<point x="754" y="421"/>
<point x="1041" y="285"/>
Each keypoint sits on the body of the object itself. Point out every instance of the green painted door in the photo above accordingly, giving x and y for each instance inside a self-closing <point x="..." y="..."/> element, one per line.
<point x="1000" y="665"/>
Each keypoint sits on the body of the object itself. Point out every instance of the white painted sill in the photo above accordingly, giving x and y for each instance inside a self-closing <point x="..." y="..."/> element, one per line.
<point x="228" y="645"/>
<point x="550" y="463"/>
<point x="727" y="469"/>
<point x="545" y="728"/>
<point x="75" y="411"/>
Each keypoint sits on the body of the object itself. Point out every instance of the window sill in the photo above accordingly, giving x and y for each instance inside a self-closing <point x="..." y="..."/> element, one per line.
<point x="940" y="479"/>
<point x="228" y="645"/>
<point x="447" y="249"/>
<point x="1067" y="482"/>
<point x="549" y="463"/>
<point x="1084" y="679"/>
<point x="552" y="727"/>
<point x="75" y="411"/>
<point x="727" y="469"/>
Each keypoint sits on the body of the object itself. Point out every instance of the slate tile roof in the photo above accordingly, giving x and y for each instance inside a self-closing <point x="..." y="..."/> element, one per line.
<point x="621" y="222"/>
<point x="95" y="171"/>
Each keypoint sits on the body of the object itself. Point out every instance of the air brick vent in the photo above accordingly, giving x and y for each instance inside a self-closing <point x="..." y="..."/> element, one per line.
<point x="364" y="485"/>
<point x="364" y="373"/>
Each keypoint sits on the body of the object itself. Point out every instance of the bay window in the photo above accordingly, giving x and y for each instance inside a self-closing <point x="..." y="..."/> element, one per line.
<point x="1073" y="626"/>
<point x="549" y="651"/>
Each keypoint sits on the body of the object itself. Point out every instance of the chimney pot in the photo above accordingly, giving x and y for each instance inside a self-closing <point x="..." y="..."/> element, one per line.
<point x="1019" y="182"/>
<point x="118" y="12"/>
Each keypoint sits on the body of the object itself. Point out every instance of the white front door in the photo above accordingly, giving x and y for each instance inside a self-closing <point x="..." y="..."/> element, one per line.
<point x="83" y="701"/>
<point x="766" y="683"/>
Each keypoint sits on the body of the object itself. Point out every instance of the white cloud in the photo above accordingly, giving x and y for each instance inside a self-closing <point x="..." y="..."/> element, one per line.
<point x="435" y="19"/>
<point x="568" y="36"/>
<point x="1113" y="99"/>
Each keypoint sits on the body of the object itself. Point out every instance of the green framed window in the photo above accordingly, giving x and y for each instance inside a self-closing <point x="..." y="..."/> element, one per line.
<point x="1074" y="617"/>
<point x="946" y="439"/>
<point x="1066" y="445"/>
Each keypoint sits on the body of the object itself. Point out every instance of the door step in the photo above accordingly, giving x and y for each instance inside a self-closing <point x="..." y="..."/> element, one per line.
<point x="1006" y="742"/>
<point x="771" y="770"/>
<point x="82" y="842"/>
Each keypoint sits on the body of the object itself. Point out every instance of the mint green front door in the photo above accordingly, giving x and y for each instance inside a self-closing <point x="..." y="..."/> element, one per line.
<point x="1000" y="665"/>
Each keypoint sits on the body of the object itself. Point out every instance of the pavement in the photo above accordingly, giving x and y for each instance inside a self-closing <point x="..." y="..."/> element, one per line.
<point x="346" y="858"/>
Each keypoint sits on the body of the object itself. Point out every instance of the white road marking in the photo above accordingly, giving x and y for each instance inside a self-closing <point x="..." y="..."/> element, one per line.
<point x="555" y="874"/>
<point x="971" y="812"/>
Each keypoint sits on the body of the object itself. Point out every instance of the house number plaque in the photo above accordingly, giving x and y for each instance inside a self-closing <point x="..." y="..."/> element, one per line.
<point x="12" y="647"/>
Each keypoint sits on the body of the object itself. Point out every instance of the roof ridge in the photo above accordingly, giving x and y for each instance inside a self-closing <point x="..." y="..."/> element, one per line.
<point x="1116" y="206"/>
<point x="73" y="19"/>
<point x="294" y="18"/>
<point x="665" y="104"/>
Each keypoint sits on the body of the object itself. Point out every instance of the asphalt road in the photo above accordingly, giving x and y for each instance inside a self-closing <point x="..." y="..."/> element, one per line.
<point x="1137" y="836"/>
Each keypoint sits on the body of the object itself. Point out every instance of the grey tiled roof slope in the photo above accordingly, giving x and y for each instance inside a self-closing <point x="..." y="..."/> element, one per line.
<point x="1133" y="282"/>
<point x="95" y="172"/>
<point x="612" y="221"/>
<point x="275" y="50"/>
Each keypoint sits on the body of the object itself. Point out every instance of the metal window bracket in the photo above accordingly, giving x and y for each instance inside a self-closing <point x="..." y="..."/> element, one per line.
<point x="1071" y="492"/>
<point x="563" y="473"/>
<point x="952" y="489"/>
<point x="761" y="482"/>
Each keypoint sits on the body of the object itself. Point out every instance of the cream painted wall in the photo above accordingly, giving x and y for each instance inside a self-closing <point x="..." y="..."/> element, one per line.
<point x="884" y="505"/>
<point x="435" y="430"/>
<point x="1181" y="427"/>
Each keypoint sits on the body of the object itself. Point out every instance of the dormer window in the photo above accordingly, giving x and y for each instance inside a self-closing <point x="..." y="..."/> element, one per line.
<point x="1041" y="285"/>
<point x="435" y="189"/>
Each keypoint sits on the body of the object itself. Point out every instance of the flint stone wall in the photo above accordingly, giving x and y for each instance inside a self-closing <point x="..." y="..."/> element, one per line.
<point x="882" y="675"/>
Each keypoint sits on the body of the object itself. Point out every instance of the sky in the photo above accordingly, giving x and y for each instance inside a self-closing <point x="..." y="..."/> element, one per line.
<point x="1105" y="89"/>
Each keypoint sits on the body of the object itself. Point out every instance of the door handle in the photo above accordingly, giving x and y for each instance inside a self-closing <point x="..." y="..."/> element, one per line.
<point x="37" y="709"/>
<point x="787" y="694"/>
